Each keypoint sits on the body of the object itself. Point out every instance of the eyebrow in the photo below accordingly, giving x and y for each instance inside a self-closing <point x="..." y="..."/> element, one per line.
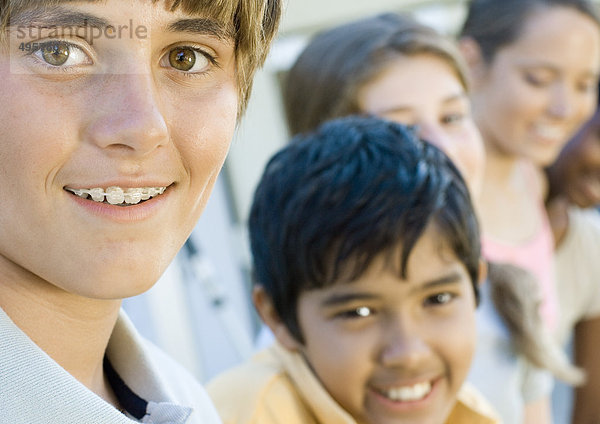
<point x="56" y="17"/>
<point x="202" y="26"/>
<point x="408" y="108"/>
<point x="452" y="278"/>
<point x="455" y="97"/>
<point x="62" y="17"/>
<point x="547" y="66"/>
<point x="343" y="298"/>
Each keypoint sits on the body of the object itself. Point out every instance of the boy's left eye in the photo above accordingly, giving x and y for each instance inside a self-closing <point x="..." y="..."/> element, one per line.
<point x="439" y="299"/>
<point x="187" y="59"/>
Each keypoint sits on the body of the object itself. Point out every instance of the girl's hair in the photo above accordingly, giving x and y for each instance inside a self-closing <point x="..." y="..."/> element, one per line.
<point x="494" y="24"/>
<point x="324" y="81"/>
<point x="252" y="24"/>
<point x="515" y="294"/>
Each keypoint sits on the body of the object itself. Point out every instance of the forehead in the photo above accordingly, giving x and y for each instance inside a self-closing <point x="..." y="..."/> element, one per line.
<point x="429" y="257"/>
<point x="21" y="11"/>
<point x="558" y="34"/>
<point x="404" y="80"/>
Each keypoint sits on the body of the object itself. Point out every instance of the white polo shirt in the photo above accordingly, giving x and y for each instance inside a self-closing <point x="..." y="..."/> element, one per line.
<point x="35" y="389"/>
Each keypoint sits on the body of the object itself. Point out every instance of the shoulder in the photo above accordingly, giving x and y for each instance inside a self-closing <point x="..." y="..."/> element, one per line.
<point x="578" y="269"/>
<point x="583" y="234"/>
<point x="472" y="408"/>
<point x="154" y="376"/>
<point x="258" y="391"/>
<point x="174" y="375"/>
<point x="585" y="219"/>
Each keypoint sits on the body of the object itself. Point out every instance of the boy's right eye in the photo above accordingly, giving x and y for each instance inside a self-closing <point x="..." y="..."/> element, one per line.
<point x="59" y="54"/>
<point x="360" y="312"/>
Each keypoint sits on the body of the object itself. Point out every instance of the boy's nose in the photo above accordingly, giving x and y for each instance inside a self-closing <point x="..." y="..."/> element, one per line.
<point x="128" y="118"/>
<point x="404" y="347"/>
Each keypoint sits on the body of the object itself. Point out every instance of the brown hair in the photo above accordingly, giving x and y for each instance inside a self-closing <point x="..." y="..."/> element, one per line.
<point x="324" y="81"/>
<point x="494" y="24"/>
<point x="515" y="294"/>
<point x="253" y="24"/>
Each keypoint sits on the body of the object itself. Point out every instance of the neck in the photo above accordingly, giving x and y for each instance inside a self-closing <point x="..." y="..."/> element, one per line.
<point x="557" y="208"/>
<point x="508" y="181"/>
<point x="499" y="166"/>
<point x="73" y="330"/>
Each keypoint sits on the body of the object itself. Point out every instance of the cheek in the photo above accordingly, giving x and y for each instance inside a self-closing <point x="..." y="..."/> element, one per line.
<point x="586" y="109"/>
<point x="202" y="133"/>
<point x="332" y="353"/>
<point x="333" y="349"/>
<point x="453" y="338"/>
<point x="512" y="100"/>
<point x="470" y="157"/>
<point x="460" y="340"/>
<point x="471" y="151"/>
<point x="28" y="159"/>
<point x="204" y="127"/>
<point x="512" y="107"/>
<point x="38" y="129"/>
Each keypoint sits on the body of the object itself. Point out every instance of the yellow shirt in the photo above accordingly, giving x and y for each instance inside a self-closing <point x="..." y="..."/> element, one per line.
<point x="277" y="387"/>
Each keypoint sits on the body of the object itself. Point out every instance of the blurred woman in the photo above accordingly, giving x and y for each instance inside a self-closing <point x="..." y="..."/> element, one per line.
<point x="534" y="66"/>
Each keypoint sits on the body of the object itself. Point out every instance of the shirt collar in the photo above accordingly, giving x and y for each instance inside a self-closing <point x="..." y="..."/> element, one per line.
<point x="36" y="389"/>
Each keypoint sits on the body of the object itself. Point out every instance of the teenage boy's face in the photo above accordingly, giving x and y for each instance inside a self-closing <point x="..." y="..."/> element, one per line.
<point x="390" y="350"/>
<point x="151" y="102"/>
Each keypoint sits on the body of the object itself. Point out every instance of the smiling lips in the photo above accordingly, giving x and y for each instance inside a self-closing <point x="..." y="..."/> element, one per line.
<point x="412" y="393"/>
<point x="118" y="196"/>
<point x="549" y="133"/>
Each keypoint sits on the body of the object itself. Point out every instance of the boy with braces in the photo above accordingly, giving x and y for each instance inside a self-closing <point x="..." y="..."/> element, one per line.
<point x="110" y="146"/>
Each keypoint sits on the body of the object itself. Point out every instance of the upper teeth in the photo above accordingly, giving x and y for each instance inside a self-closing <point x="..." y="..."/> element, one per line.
<point x="116" y="195"/>
<point x="409" y="393"/>
<point x="547" y="132"/>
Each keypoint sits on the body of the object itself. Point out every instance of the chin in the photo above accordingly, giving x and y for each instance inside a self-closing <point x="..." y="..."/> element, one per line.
<point x="120" y="284"/>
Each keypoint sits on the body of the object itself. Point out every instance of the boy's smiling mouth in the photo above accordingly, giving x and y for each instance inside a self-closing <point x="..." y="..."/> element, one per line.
<point x="118" y="196"/>
<point x="412" y="393"/>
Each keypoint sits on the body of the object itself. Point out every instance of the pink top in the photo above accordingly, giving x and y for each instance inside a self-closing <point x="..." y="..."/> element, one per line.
<point x="536" y="256"/>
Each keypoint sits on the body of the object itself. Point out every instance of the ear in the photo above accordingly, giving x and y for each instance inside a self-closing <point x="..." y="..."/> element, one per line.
<point x="476" y="63"/>
<point x="483" y="272"/>
<point x="264" y="306"/>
